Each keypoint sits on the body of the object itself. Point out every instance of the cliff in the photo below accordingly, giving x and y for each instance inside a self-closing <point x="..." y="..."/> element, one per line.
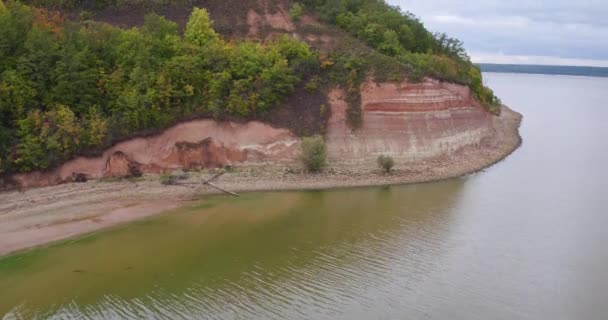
<point x="411" y="121"/>
<point x="408" y="121"/>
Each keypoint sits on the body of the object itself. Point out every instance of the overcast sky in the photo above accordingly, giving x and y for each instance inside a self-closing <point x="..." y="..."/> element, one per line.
<point x="566" y="32"/>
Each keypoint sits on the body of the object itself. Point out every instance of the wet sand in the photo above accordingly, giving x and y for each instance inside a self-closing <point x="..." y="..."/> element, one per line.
<point x="40" y="216"/>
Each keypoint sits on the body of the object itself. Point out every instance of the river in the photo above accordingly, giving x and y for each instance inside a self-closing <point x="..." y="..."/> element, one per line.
<point x="524" y="239"/>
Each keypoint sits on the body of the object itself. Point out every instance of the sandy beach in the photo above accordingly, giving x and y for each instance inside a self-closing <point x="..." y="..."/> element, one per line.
<point x="41" y="216"/>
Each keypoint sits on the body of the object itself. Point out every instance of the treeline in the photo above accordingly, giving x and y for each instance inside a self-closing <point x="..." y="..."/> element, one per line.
<point x="402" y="36"/>
<point x="70" y="88"/>
<point x="101" y="4"/>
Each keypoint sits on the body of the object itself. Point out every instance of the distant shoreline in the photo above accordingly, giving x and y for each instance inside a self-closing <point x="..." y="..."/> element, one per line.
<point x="41" y="216"/>
<point x="601" y="72"/>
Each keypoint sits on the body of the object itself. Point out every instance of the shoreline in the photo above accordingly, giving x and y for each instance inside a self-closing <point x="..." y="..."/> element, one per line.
<point x="42" y="216"/>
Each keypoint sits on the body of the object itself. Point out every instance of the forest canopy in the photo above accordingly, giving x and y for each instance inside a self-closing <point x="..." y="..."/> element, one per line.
<point x="67" y="88"/>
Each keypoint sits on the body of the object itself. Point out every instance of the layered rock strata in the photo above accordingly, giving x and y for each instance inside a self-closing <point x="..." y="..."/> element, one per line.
<point x="411" y="122"/>
<point x="408" y="121"/>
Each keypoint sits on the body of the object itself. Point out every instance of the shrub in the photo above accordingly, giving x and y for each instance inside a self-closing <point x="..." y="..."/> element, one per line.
<point x="313" y="153"/>
<point x="313" y="84"/>
<point x="173" y="178"/>
<point x="296" y="11"/>
<point x="84" y="15"/>
<point x="385" y="163"/>
<point x="322" y="110"/>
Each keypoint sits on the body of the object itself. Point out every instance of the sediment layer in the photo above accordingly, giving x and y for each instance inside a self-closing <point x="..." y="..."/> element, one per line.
<point x="411" y="122"/>
<point x="408" y="121"/>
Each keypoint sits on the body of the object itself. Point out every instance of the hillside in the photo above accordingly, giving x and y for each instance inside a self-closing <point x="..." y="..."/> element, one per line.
<point x="77" y="77"/>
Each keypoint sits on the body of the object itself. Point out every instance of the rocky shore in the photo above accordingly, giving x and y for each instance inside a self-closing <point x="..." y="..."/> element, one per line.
<point x="43" y="215"/>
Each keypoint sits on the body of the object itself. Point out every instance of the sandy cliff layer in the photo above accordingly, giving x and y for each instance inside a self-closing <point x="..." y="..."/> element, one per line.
<point x="411" y="122"/>
<point x="191" y="145"/>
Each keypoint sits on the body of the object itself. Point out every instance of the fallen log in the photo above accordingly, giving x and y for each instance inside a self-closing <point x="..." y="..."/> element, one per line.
<point x="220" y="188"/>
<point x="204" y="182"/>
<point x="209" y="183"/>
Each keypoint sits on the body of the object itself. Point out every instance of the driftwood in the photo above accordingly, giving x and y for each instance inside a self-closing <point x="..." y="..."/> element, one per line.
<point x="220" y="188"/>
<point x="208" y="182"/>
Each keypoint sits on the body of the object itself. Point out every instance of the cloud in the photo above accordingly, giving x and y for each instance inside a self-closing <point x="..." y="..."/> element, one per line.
<point x="542" y="30"/>
<point x="495" y="21"/>
<point x="452" y="19"/>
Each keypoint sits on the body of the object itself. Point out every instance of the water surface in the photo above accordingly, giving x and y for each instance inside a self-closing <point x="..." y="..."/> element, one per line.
<point x="526" y="239"/>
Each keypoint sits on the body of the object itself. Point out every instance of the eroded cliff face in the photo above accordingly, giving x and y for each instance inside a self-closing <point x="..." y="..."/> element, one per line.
<point x="191" y="145"/>
<point x="410" y="122"/>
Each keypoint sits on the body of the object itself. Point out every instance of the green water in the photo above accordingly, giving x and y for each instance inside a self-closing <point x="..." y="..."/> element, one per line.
<point x="226" y="249"/>
<point x="525" y="239"/>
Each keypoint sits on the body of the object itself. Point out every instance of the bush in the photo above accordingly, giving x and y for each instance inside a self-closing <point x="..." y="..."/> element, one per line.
<point x="313" y="84"/>
<point x="386" y="163"/>
<point x="313" y="153"/>
<point x="173" y="178"/>
<point x="84" y="15"/>
<point x="296" y="11"/>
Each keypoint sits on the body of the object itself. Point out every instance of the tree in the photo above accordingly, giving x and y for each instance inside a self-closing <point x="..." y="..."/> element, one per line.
<point x="15" y="23"/>
<point x="74" y="80"/>
<point x="373" y="34"/>
<point x="331" y="9"/>
<point x="41" y="53"/>
<point x="296" y="11"/>
<point x="199" y="30"/>
<point x="406" y="37"/>
<point x="95" y="129"/>
<point x="390" y="43"/>
<point x="159" y="27"/>
<point x="451" y="46"/>
<point x="16" y="96"/>
<point x="47" y="139"/>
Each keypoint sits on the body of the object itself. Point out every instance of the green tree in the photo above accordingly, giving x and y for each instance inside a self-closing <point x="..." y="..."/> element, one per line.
<point x="406" y="37"/>
<point x="373" y="34"/>
<point x="296" y="11"/>
<point x="15" y="23"/>
<point x="159" y="27"/>
<point x="390" y="44"/>
<point x="40" y="55"/>
<point x="199" y="30"/>
<point x="74" y="80"/>
<point x="16" y="96"/>
<point x="47" y="138"/>
<point x="95" y="129"/>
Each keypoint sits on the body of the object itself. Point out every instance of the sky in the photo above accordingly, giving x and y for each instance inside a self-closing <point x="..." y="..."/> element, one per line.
<point x="555" y="32"/>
